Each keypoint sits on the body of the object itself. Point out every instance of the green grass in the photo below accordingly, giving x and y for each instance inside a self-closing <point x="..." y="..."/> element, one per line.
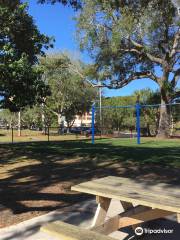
<point x="31" y="136"/>
<point x="162" y="152"/>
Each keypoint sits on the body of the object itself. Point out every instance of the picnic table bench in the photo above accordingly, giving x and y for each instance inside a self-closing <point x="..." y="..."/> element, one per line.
<point x="141" y="203"/>
<point x="65" y="231"/>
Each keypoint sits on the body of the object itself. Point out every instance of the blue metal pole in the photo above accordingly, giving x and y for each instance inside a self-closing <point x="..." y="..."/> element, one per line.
<point x="92" y="124"/>
<point x="138" y="125"/>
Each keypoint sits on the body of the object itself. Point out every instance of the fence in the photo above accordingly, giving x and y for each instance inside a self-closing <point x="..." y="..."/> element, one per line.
<point x="48" y="133"/>
<point x="133" y="121"/>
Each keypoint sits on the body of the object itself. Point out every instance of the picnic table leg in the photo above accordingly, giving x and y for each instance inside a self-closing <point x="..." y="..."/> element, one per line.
<point x="126" y="206"/>
<point x="101" y="212"/>
<point x="178" y="217"/>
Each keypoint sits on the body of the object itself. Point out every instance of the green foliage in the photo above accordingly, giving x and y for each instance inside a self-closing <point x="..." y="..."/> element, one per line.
<point x="7" y="117"/>
<point x="20" y="43"/>
<point x="117" y="118"/>
<point x="74" y="3"/>
<point x="129" y="40"/>
<point x="32" y="117"/>
<point x="122" y="119"/>
<point x="70" y="93"/>
<point x="150" y="116"/>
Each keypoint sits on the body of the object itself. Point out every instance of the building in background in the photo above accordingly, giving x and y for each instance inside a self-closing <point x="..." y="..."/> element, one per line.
<point x="84" y="120"/>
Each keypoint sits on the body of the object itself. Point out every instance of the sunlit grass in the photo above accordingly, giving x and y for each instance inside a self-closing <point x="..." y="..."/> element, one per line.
<point x="29" y="136"/>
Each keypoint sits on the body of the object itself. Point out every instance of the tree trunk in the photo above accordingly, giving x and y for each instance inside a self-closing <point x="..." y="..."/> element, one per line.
<point x="19" y="124"/>
<point x="172" y="125"/>
<point x="43" y="118"/>
<point x="164" y="122"/>
<point x="59" y="119"/>
<point x="148" y="130"/>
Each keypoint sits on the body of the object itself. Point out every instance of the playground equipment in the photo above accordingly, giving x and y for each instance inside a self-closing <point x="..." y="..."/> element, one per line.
<point x="132" y="120"/>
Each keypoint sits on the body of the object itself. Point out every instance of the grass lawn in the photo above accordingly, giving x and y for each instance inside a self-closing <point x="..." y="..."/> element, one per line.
<point x="30" y="135"/>
<point x="36" y="177"/>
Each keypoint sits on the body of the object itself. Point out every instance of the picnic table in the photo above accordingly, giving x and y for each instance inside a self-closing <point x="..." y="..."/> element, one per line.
<point x="141" y="202"/>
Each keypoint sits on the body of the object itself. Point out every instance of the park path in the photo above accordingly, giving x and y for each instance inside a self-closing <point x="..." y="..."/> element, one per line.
<point x="82" y="214"/>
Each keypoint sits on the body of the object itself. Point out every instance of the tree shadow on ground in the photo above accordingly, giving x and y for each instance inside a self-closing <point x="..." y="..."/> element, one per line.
<point x="39" y="175"/>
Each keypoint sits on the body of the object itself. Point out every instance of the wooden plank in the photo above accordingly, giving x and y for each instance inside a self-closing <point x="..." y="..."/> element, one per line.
<point x="101" y="212"/>
<point x="109" y="226"/>
<point x="133" y="216"/>
<point x="112" y="224"/>
<point x="139" y="197"/>
<point x="126" y="205"/>
<point x="133" y="188"/>
<point x="155" y="187"/>
<point x="65" y="231"/>
<point x="129" y="191"/>
<point x="133" y="185"/>
<point x="138" y="218"/>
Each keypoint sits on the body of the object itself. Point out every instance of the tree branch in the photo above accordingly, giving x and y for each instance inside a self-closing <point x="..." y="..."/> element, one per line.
<point x="51" y="110"/>
<point x="132" y="50"/>
<point x="74" y="69"/>
<point x="175" y="60"/>
<point x="148" y="55"/>
<point x="82" y="76"/>
<point x="138" y="75"/>
<point x="176" y="95"/>
<point x="175" y="44"/>
<point x="155" y="59"/>
<point x="176" y="77"/>
<point x="138" y="45"/>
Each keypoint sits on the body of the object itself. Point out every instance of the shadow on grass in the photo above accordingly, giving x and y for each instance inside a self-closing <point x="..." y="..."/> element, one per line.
<point x="58" y="165"/>
<point x="2" y="135"/>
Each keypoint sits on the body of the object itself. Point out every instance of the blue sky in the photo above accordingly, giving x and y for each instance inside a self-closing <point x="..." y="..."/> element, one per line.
<point x="56" y="20"/>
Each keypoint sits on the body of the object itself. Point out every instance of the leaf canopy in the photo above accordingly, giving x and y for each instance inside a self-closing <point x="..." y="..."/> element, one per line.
<point x="129" y="40"/>
<point x="20" y="44"/>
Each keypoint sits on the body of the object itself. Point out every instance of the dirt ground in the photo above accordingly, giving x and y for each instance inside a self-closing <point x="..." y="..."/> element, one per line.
<point x="25" y="197"/>
<point x="36" y="178"/>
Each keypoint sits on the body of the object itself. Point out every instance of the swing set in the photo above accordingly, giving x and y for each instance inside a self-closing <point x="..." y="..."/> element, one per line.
<point x="136" y="110"/>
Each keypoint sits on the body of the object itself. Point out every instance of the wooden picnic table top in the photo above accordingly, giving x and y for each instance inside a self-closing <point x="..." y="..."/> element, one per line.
<point x="161" y="196"/>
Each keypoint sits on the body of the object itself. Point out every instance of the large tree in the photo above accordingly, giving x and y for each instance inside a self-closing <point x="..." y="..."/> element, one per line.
<point x="134" y="40"/>
<point x="70" y="94"/>
<point x="20" y="44"/>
